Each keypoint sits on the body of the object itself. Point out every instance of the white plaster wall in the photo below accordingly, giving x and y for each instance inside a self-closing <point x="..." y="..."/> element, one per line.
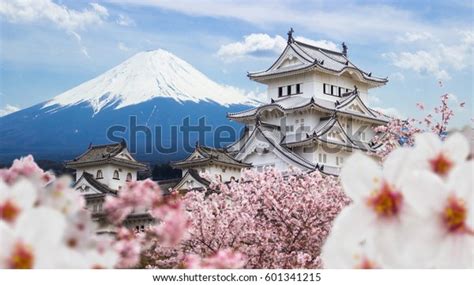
<point x="215" y="170"/>
<point x="107" y="173"/>
<point x="306" y="80"/>
<point x="266" y="159"/>
<point x="312" y="84"/>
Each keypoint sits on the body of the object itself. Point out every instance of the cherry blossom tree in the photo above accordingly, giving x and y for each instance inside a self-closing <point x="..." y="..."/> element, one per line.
<point x="275" y="220"/>
<point x="401" y="132"/>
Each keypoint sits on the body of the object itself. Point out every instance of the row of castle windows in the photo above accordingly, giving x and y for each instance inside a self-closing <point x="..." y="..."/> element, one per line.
<point x="328" y="89"/>
<point x="334" y="90"/>
<point x="289" y="90"/>
<point x="116" y="175"/>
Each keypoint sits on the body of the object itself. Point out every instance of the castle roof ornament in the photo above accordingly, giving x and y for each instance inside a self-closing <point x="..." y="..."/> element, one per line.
<point x="290" y="36"/>
<point x="344" y="49"/>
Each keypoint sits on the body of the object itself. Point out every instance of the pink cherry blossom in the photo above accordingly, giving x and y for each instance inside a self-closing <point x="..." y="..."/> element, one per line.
<point x="271" y="218"/>
<point x="223" y="259"/>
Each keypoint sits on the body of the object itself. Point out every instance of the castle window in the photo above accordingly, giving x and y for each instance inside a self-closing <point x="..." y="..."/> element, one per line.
<point x="322" y="158"/>
<point x="280" y="91"/>
<point x="334" y="90"/>
<point x="288" y="90"/>
<point x="326" y="89"/>
<point x="116" y="175"/>
<point x="298" y="88"/>
<point x="341" y="91"/>
<point x="339" y="160"/>
<point x="99" y="174"/>
<point x="129" y="177"/>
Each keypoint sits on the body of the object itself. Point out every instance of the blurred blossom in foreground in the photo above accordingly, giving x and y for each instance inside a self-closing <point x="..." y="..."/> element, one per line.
<point x="417" y="211"/>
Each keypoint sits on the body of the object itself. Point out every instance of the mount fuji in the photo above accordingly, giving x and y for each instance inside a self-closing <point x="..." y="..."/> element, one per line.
<point x="155" y="89"/>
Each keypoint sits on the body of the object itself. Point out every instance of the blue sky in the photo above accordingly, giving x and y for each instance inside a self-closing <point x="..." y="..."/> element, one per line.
<point x="50" y="46"/>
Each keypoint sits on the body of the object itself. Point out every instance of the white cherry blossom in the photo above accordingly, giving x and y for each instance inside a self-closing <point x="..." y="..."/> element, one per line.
<point x="430" y="153"/>
<point x="34" y="241"/>
<point x="16" y="198"/>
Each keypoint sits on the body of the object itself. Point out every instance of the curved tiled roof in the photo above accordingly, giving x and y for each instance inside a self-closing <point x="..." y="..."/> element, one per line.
<point x="106" y="153"/>
<point x="209" y="154"/>
<point x="96" y="184"/>
<point x="264" y="132"/>
<point x="318" y="135"/>
<point x="315" y="57"/>
<point x="293" y="102"/>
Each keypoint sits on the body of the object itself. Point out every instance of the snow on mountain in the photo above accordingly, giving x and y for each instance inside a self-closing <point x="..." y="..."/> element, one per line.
<point x="149" y="75"/>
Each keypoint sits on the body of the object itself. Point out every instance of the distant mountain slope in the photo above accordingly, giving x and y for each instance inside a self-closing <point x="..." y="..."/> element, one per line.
<point x="156" y="87"/>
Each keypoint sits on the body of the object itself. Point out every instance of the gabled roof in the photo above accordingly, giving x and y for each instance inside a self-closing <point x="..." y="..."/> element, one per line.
<point x="325" y="127"/>
<point x="298" y="102"/>
<point x="89" y="178"/>
<point x="192" y="174"/>
<point x="263" y="134"/>
<point x="311" y="57"/>
<point x="116" y="153"/>
<point x="203" y="155"/>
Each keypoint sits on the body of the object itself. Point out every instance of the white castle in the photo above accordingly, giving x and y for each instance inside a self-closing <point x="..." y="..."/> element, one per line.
<point x="315" y="118"/>
<point x="103" y="170"/>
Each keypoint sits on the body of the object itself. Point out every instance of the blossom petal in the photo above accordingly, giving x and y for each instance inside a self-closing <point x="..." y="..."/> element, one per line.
<point x="424" y="193"/>
<point x="24" y="194"/>
<point x="396" y="166"/>
<point x="427" y="143"/>
<point x="7" y="239"/>
<point x="41" y="226"/>
<point x="359" y="176"/>
<point x="456" y="147"/>
<point x="460" y="183"/>
<point x="455" y="252"/>
<point x="341" y="249"/>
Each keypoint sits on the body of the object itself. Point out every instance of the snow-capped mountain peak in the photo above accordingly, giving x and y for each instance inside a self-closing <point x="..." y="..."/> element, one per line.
<point x="145" y="76"/>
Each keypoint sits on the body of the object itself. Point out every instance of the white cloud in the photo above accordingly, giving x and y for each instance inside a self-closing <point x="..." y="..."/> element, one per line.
<point x="439" y="59"/>
<point x="262" y="44"/>
<point x="8" y="109"/>
<point x="251" y="45"/>
<point x="69" y="20"/>
<point x="28" y="11"/>
<point x="410" y="37"/>
<point x="121" y="46"/>
<point x="124" y="20"/>
<point x="373" y="100"/>
<point x="421" y="61"/>
<point x="321" y="43"/>
<point x="398" y="76"/>
<point x="352" y="21"/>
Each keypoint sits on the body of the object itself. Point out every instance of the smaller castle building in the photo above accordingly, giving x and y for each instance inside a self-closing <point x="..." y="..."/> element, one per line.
<point x="104" y="170"/>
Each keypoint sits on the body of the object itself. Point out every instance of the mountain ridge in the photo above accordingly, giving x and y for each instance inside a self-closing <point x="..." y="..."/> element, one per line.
<point x="156" y="92"/>
<point x="147" y="75"/>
